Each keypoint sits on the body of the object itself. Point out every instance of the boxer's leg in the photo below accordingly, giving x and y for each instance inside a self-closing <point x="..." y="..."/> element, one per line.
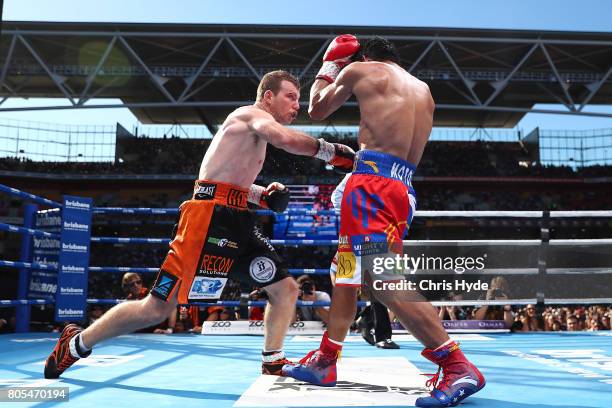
<point x="280" y="312"/>
<point x="128" y="317"/>
<point x="124" y="318"/>
<point x="416" y="314"/>
<point x="342" y="311"/>
<point x="261" y="266"/>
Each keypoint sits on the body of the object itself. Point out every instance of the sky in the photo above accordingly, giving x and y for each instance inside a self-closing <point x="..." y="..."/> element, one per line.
<point x="556" y="15"/>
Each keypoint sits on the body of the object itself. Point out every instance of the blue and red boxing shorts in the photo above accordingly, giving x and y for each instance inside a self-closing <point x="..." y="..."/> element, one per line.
<point x="377" y="208"/>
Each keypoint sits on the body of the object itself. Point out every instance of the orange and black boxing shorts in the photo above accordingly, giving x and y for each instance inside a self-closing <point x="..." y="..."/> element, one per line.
<point x="216" y="238"/>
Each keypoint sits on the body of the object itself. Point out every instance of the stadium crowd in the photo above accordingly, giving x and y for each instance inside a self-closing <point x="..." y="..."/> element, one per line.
<point x="182" y="156"/>
<point x="534" y="319"/>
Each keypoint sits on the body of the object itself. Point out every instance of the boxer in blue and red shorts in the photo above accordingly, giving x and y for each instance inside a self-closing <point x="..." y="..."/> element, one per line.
<point x="377" y="206"/>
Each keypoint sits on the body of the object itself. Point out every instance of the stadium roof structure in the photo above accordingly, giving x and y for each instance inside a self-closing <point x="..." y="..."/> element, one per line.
<point x="196" y="74"/>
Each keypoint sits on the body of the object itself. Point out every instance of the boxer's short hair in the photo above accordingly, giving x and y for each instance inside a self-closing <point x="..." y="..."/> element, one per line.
<point x="380" y="49"/>
<point x="272" y="82"/>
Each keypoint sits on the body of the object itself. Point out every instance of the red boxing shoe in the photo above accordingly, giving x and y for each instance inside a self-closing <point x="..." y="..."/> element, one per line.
<point x="460" y="378"/>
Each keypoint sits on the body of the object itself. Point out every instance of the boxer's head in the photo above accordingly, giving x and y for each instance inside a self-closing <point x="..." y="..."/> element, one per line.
<point x="279" y="94"/>
<point x="379" y="49"/>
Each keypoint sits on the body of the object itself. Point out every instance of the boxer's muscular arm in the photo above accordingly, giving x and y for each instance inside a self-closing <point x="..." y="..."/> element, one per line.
<point x="282" y="137"/>
<point x="326" y="98"/>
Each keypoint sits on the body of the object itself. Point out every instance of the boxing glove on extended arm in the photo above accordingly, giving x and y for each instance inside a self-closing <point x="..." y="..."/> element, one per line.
<point x="274" y="197"/>
<point x="340" y="156"/>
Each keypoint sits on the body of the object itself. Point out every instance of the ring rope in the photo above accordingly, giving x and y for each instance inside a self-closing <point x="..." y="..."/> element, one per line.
<point x="28" y="265"/>
<point x="23" y="230"/>
<point x="431" y="242"/>
<point x="299" y="303"/>
<point x="123" y="269"/>
<point x="418" y="213"/>
<point x="17" y="302"/>
<point x="310" y="271"/>
<point x="27" y="196"/>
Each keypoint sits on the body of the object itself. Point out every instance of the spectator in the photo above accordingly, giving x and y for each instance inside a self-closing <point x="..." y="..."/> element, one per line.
<point x="531" y="319"/>
<point x="188" y="319"/>
<point x="594" y="324"/>
<point x="257" y="312"/>
<point x="498" y="290"/>
<point x="375" y="324"/>
<point x="556" y="326"/>
<point x="132" y="286"/>
<point x="5" y="327"/>
<point x="605" y="322"/>
<point x="95" y="312"/>
<point x="220" y="313"/>
<point x="572" y="323"/>
<point x="309" y="293"/>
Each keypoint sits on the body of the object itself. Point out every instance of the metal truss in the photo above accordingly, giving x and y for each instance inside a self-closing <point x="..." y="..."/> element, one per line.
<point x="472" y="77"/>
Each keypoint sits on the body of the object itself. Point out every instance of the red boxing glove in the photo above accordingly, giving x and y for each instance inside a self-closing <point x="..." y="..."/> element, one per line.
<point x="337" y="56"/>
<point x="338" y="155"/>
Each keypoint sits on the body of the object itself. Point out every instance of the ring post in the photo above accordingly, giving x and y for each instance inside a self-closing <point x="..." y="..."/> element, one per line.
<point x="71" y="295"/>
<point x="22" y="315"/>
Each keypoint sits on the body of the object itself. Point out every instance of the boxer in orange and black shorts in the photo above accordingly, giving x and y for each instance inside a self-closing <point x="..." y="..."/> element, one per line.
<point x="216" y="238"/>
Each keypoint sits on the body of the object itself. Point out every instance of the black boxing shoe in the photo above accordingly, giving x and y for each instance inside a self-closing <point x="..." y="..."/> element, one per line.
<point x="387" y="344"/>
<point x="275" y="367"/>
<point x="367" y="332"/>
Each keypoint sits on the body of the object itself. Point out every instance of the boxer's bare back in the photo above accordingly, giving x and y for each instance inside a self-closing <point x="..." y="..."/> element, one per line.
<point x="396" y="108"/>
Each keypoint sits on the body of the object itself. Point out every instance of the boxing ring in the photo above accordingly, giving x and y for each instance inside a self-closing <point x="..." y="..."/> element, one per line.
<point x="552" y="369"/>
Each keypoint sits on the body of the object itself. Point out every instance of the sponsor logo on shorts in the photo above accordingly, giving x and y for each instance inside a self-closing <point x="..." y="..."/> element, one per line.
<point x="347" y="263"/>
<point x="262" y="269"/>
<point x="206" y="288"/>
<point x="205" y="191"/>
<point x="343" y="243"/>
<point x="164" y="285"/>
<point x="223" y="243"/>
<point x="263" y="239"/>
<point x="372" y="164"/>
<point x="237" y="198"/>
<point x="402" y="173"/>
<point x="216" y="265"/>
<point x="369" y="244"/>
